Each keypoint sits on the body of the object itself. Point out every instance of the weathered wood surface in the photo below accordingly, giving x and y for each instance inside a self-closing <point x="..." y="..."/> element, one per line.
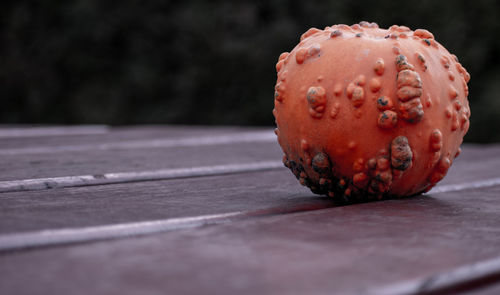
<point x="152" y="200"/>
<point x="252" y="232"/>
<point x="137" y="150"/>
<point x="56" y="136"/>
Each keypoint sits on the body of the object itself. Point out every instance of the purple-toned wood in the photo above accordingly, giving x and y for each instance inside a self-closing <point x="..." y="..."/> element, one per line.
<point x="152" y="157"/>
<point x="281" y="244"/>
<point x="345" y="250"/>
<point x="132" y="202"/>
<point x="115" y="134"/>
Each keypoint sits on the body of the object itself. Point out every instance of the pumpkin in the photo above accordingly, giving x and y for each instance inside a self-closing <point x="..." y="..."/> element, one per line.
<point x="369" y="113"/>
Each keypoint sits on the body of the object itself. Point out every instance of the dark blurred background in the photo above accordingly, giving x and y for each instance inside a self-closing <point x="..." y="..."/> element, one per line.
<point x="205" y="62"/>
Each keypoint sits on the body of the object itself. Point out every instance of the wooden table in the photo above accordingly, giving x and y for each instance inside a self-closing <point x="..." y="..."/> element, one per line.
<point x="204" y="210"/>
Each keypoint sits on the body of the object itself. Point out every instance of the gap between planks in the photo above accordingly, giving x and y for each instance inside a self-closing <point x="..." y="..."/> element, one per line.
<point x="125" y="177"/>
<point x="55" y="237"/>
<point x="239" y="137"/>
<point x="458" y="280"/>
<point x="165" y="174"/>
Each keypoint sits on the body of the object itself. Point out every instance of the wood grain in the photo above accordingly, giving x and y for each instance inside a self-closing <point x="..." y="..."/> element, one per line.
<point x="133" y="202"/>
<point x="115" y="134"/>
<point x="343" y="250"/>
<point x="130" y="160"/>
<point x="272" y="238"/>
<point x="51" y="131"/>
<point x="134" y="176"/>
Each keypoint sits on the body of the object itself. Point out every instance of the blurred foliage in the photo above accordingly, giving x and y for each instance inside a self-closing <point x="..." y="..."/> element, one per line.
<point x="205" y="62"/>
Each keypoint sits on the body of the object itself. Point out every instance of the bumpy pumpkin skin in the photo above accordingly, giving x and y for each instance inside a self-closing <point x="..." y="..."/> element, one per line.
<point x="364" y="112"/>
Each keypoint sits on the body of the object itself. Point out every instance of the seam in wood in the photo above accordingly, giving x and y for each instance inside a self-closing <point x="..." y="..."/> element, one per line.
<point x="56" y="237"/>
<point x="125" y="177"/>
<point x="458" y="280"/>
<point x="50" y="237"/>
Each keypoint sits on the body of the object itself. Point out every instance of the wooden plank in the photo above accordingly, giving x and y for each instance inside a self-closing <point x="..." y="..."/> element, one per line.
<point x="476" y="162"/>
<point x="342" y="250"/>
<point x="119" y="134"/>
<point x="142" y="201"/>
<point x="228" y="138"/>
<point x="480" y="151"/>
<point x="17" y="167"/>
<point x="180" y="153"/>
<point x="460" y="279"/>
<point x="43" y="131"/>
<point x="133" y="202"/>
<point x="56" y="237"/>
<point x="136" y="176"/>
<point x="275" y="254"/>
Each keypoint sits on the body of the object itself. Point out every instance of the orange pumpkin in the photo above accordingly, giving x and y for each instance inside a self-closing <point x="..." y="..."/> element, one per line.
<point x="364" y="112"/>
